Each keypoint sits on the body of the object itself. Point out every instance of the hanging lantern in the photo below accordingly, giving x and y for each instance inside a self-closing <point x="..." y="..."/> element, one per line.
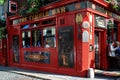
<point x="109" y="23"/>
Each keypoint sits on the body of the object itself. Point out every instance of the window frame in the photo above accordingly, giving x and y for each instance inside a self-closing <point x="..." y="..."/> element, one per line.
<point x="42" y="36"/>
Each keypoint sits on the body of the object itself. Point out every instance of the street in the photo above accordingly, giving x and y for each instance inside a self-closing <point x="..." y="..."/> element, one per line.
<point x="13" y="76"/>
<point x="8" y="73"/>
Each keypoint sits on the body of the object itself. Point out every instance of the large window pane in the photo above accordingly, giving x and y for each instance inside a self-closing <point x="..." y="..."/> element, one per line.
<point x="26" y="39"/>
<point x="36" y="38"/>
<point x="49" y="37"/>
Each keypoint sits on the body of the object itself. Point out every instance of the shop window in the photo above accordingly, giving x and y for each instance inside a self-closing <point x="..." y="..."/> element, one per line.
<point x="36" y="38"/>
<point x="26" y="39"/>
<point x="65" y="46"/>
<point x="49" y="37"/>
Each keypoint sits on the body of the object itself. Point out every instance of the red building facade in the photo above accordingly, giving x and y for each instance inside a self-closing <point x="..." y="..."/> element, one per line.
<point x="66" y="37"/>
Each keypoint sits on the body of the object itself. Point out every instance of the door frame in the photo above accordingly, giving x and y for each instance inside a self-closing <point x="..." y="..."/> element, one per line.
<point x="12" y="63"/>
<point x="102" y="44"/>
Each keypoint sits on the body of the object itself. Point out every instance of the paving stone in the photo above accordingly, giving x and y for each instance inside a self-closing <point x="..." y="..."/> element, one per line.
<point x="12" y="76"/>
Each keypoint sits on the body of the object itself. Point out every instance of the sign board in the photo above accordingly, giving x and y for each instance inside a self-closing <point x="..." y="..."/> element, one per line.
<point x="100" y="21"/>
<point x="110" y="23"/>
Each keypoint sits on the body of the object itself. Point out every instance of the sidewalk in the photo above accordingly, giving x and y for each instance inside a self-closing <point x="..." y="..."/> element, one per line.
<point x="49" y="76"/>
<point x="114" y="73"/>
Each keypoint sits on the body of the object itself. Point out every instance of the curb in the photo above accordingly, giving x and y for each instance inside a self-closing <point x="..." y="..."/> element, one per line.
<point x="108" y="73"/>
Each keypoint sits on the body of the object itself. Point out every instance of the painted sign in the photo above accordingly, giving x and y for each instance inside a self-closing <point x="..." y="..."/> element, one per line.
<point x="54" y="11"/>
<point x="37" y="56"/>
<point x="110" y="23"/>
<point x="100" y="21"/>
<point x="79" y="18"/>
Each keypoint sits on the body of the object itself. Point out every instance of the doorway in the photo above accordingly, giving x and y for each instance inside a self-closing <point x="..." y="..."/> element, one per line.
<point x="97" y="45"/>
<point x="14" y="49"/>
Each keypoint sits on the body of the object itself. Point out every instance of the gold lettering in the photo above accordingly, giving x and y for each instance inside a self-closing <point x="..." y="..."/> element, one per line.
<point x="23" y="19"/>
<point x="53" y="12"/>
<point x="36" y="16"/>
<point x="20" y="20"/>
<point x="46" y="13"/>
<point x="30" y="17"/>
<point x="42" y="14"/>
<point x="62" y="9"/>
<point x="58" y="10"/>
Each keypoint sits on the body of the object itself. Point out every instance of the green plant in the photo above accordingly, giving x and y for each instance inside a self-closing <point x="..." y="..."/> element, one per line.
<point x="32" y="6"/>
<point x="114" y="4"/>
<point x="2" y="2"/>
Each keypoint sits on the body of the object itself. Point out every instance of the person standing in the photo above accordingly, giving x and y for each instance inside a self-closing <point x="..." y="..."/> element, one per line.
<point x="118" y="50"/>
<point x="113" y="49"/>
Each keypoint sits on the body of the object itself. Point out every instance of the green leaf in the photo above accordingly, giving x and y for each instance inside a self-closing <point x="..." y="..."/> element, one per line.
<point x="2" y="2"/>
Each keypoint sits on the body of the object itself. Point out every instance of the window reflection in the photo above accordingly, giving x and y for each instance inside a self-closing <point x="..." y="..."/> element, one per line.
<point x="65" y="46"/>
<point x="26" y="39"/>
<point x="49" y="37"/>
<point x="36" y="38"/>
<point x="25" y="26"/>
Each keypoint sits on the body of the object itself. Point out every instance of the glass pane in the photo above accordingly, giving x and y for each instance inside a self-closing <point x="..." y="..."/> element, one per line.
<point x="36" y="38"/>
<point x="26" y="39"/>
<point x="49" y="37"/>
<point x="25" y="26"/>
<point x="65" y="46"/>
<point x="15" y="48"/>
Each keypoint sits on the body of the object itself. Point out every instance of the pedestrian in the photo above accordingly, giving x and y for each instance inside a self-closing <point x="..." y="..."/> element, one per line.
<point x="118" y="50"/>
<point x="113" y="48"/>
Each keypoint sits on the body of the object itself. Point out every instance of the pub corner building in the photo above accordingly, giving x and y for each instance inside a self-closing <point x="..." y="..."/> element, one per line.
<point x="66" y="37"/>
